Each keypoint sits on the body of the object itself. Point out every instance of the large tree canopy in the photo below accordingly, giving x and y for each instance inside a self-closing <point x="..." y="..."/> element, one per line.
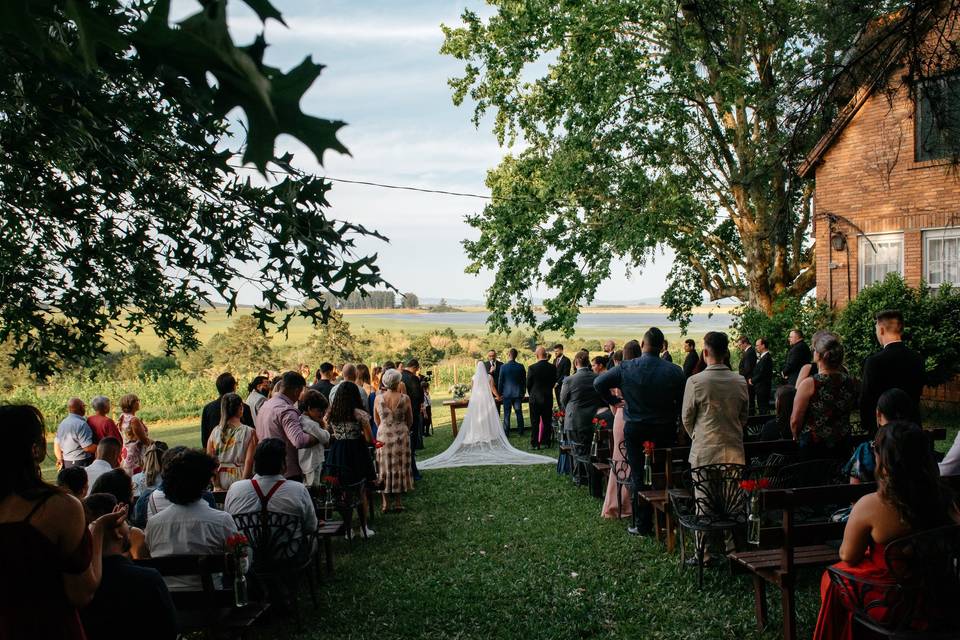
<point x="649" y="124"/>
<point x="122" y="206"/>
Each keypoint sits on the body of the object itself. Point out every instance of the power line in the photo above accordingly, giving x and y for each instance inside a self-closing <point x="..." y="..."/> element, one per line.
<point x="407" y="188"/>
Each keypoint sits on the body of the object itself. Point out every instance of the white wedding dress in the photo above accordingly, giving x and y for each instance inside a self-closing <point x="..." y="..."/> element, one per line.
<point x="481" y="440"/>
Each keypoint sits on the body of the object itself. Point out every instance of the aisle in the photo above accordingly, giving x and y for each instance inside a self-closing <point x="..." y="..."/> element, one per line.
<point x="516" y="552"/>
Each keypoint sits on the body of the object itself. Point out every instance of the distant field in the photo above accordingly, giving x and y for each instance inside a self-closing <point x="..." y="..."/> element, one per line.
<point x="620" y="323"/>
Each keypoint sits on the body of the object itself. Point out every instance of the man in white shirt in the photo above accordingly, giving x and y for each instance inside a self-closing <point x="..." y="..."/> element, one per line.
<point x="108" y="458"/>
<point x="269" y="488"/>
<point x="189" y="525"/>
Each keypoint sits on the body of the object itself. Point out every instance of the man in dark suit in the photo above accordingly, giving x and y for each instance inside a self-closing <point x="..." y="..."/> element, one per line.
<point x="512" y="387"/>
<point x="326" y="374"/>
<point x="798" y="355"/>
<point x="690" y="361"/>
<point x="580" y="401"/>
<point x="748" y="360"/>
<point x="895" y="366"/>
<point x="210" y="416"/>
<point x="541" y="379"/>
<point x="562" y="363"/>
<point x="493" y="368"/>
<point x="761" y="378"/>
<point x="411" y="380"/>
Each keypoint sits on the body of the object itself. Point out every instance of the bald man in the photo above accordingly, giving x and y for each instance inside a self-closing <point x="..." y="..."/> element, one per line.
<point x="609" y="347"/>
<point x="541" y="379"/>
<point x="73" y="445"/>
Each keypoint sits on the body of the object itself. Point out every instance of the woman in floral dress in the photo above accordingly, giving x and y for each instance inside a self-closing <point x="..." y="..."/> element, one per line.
<point x="232" y="444"/>
<point x="394" y="413"/>
<point x="136" y="437"/>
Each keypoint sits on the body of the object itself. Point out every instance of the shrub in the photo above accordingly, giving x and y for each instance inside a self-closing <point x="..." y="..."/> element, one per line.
<point x="931" y="325"/>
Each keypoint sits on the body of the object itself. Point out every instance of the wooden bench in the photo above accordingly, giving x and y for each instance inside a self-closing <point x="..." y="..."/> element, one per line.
<point x="210" y="609"/>
<point x="793" y="545"/>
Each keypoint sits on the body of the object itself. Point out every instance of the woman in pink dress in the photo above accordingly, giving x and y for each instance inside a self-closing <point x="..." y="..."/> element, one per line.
<point x="610" y="509"/>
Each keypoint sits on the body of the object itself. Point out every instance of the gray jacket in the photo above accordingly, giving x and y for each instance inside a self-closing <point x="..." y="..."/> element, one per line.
<point x="579" y="400"/>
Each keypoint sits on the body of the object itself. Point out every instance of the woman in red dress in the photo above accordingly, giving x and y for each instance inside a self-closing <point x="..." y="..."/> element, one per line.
<point x="50" y="558"/>
<point x="909" y="499"/>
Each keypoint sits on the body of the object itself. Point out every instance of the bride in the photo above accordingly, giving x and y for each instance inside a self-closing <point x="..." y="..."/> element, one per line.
<point x="481" y="440"/>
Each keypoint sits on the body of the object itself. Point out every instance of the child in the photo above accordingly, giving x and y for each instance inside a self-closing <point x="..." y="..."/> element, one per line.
<point x="426" y="410"/>
<point x="313" y="405"/>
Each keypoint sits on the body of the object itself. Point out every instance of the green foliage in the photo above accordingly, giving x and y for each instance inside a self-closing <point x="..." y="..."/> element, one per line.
<point x="333" y="342"/>
<point x="369" y="300"/>
<point x="647" y="126"/>
<point x="931" y="324"/>
<point x="423" y="350"/>
<point x="410" y="300"/>
<point x="121" y="207"/>
<point x="808" y="315"/>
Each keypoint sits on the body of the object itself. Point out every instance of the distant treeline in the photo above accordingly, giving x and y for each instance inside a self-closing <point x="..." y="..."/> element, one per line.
<point x="376" y="300"/>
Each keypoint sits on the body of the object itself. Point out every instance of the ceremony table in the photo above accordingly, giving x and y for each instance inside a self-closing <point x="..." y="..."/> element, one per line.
<point x="462" y="404"/>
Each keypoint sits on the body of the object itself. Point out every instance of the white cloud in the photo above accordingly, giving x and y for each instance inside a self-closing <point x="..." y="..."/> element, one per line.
<point x="340" y="30"/>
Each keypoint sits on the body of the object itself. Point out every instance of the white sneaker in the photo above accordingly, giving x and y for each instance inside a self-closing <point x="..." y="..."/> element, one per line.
<point x="368" y="532"/>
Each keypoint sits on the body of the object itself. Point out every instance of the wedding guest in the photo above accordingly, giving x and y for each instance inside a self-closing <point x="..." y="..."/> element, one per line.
<point x="313" y="406"/>
<point x="139" y="588"/>
<point x="365" y="380"/>
<point x="761" y="378"/>
<point x="350" y="374"/>
<point x="136" y="436"/>
<point x="614" y="507"/>
<point x="348" y="459"/>
<point x="748" y="360"/>
<point x="909" y="498"/>
<point x="232" y="443"/>
<point x="690" y="360"/>
<point x="375" y="377"/>
<point x="895" y="366"/>
<point x="152" y="466"/>
<point x="541" y="378"/>
<point x="411" y="386"/>
<point x="326" y="374"/>
<point x="652" y="394"/>
<point x="117" y="483"/>
<point x="580" y="401"/>
<point x="279" y="418"/>
<point x="108" y="458"/>
<point x="74" y="481"/>
<point x="797" y="356"/>
<point x="609" y="347"/>
<point x="268" y="488"/>
<point x="100" y="422"/>
<point x="210" y="417"/>
<point x="51" y="560"/>
<point x="599" y="364"/>
<point x="715" y="407"/>
<point x="562" y="365"/>
<point x="493" y="367"/>
<point x="512" y="386"/>
<point x="665" y="352"/>
<point x="153" y="500"/>
<point x="394" y="413"/>
<point x="427" y="410"/>
<point x="821" y="409"/>
<point x="257" y="392"/>
<point x="189" y="526"/>
<point x="894" y="405"/>
<point x="778" y="428"/>
<point x="73" y="445"/>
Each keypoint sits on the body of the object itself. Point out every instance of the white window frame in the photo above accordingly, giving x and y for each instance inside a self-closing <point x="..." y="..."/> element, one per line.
<point x="864" y="247"/>
<point x="935" y="234"/>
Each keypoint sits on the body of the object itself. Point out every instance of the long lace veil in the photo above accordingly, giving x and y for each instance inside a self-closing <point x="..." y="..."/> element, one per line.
<point x="481" y="440"/>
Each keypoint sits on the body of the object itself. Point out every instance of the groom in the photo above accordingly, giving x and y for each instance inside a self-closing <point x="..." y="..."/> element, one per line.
<point x="512" y="385"/>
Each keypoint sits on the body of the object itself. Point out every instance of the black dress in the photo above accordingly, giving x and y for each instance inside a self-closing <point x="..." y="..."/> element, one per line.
<point x="348" y="459"/>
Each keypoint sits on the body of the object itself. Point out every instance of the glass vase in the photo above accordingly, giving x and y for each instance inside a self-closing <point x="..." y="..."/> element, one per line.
<point x="647" y="469"/>
<point x="753" y="521"/>
<point x="240" y="594"/>
<point x="593" y="447"/>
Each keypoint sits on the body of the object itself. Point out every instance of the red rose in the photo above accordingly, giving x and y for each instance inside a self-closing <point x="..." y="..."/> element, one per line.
<point x="648" y="447"/>
<point x="764" y="483"/>
<point x="378" y="444"/>
<point x="748" y="485"/>
<point x="331" y="480"/>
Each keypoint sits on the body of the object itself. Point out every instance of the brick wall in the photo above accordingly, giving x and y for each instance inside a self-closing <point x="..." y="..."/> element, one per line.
<point x="870" y="177"/>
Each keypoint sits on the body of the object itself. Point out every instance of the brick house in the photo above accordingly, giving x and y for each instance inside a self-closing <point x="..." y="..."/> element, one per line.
<point x="887" y="195"/>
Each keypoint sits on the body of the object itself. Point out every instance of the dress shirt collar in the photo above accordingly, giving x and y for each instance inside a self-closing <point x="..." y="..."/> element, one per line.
<point x="892" y="342"/>
<point x="715" y="367"/>
<point x="275" y="478"/>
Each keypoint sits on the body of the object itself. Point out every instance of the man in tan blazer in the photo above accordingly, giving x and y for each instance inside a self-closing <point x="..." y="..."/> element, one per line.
<point x="715" y="407"/>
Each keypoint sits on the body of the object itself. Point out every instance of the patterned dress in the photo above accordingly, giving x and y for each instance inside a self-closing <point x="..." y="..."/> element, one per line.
<point x="132" y="446"/>
<point x="348" y="458"/>
<point x="230" y="447"/>
<point x="826" y="422"/>
<point x="393" y="458"/>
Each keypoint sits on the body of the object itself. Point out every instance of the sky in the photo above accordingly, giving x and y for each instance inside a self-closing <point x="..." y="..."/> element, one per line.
<point x="385" y="77"/>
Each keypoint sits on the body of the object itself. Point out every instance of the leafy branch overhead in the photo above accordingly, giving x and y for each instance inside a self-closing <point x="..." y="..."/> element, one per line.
<point x="657" y="125"/>
<point x="122" y="209"/>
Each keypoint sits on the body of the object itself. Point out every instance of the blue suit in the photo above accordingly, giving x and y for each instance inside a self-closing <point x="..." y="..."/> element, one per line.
<point x="512" y="385"/>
